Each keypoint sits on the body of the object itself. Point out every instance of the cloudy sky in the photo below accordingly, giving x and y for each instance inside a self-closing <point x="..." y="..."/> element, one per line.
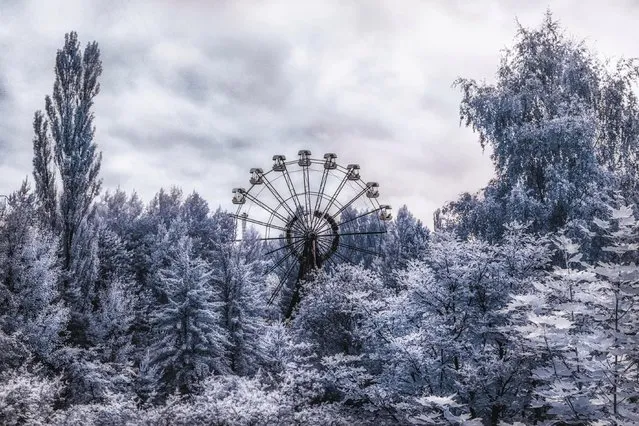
<point x="194" y="93"/>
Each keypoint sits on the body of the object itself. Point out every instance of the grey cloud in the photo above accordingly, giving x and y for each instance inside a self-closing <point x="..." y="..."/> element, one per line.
<point x="339" y="127"/>
<point x="124" y="64"/>
<point x="161" y="139"/>
<point x="196" y="93"/>
<point x="251" y="71"/>
<point x="4" y="93"/>
<point x="193" y="84"/>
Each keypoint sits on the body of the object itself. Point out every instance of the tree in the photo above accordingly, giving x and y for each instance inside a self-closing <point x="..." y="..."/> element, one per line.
<point x="166" y="206"/>
<point x="561" y="130"/>
<point x="442" y="333"/>
<point x="618" y="118"/>
<point x="538" y="118"/>
<point x="114" y="300"/>
<point x="71" y="125"/>
<point x="336" y="339"/>
<point x="328" y="316"/>
<point x="120" y="213"/>
<point x="406" y="240"/>
<point x="29" y="296"/>
<point x="195" y="212"/>
<point x="188" y="342"/>
<point x="18" y="219"/>
<point x="243" y="297"/>
<point x="582" y="322"/>
<point x="27" y="398"/>
<point x="44" y="171"/>
<point x="37" y="315"/>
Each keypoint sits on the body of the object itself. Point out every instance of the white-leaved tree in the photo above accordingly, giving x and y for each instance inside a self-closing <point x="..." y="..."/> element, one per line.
<point x="71" y="125"/>
<point x="581" y="321"/>
<point x="38" y="314"/>
<point x="406" y="240"/>
<point x="27" y="398"/>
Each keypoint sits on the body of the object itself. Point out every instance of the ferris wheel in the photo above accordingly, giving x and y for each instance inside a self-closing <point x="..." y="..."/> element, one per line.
<point x="310" y="212"/>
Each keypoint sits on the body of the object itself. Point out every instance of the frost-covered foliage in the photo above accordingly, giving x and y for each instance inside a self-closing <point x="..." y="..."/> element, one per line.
<point x="187" y="341"/>
<point x="521" y="308"/>
<point x="31" y="311"/>
<point x="243" y="303"/>
<point x="441" y="334"/>
<point x="560" y="127"/>
<point x="582" y="321"/>
<point x="27" y="398"/>
<point x="407" y="240"/>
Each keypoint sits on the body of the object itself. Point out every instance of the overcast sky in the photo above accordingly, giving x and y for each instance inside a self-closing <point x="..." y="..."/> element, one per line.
<point x="194" y="93"/>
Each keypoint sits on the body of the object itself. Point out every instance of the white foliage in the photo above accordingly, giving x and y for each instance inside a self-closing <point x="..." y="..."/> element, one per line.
<point x="583" y="319"/>
<point x="188" y="341"/>
<point x="27" y="398"/>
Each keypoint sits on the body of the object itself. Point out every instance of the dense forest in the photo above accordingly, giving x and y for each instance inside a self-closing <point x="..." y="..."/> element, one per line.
<point x="521" y="306"/>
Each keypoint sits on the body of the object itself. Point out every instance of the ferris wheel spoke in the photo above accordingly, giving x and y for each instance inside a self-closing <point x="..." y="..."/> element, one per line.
<point x="350" y="203"/>
<point x="307" y="193"/>
<point x="318" y="200"/>
<point x="361" y="233"/>
<point x="281" y="284"/>
<point x="361" y="250"/>
<point x="324" y="229"/>
<point x="298" y="227"/>
<point x="285" y="246"/>
<point x="330" y="259"/>
<point x="265" y="207"/>
<point x="360" y="216"/>
<point x="277" y="195"/>
<point x="333" y="198"/>
<point x="279" y="262"/>
<point x="291" y="189"/>
<point x="344" y="234"/>
<point x="324" y="246"/>
<point x="258" y="222"/>
<point x="266" y="239"/>
<point x="301" y="226"/>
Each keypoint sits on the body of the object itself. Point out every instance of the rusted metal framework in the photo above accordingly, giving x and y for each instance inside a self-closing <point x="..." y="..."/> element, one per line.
<point x="297" y="209"/>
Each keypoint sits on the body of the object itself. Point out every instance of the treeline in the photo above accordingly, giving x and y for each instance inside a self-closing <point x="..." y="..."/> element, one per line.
<point x="522" y="305"/>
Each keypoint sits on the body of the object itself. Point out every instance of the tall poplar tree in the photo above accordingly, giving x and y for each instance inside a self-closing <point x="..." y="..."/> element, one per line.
<point x="70" y="120"/>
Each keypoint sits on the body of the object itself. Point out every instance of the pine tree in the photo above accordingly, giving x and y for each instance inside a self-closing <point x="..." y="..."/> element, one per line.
<point x="188" y="340"/>
<point x="114" y="299"/>
<point x="39" y="316"/>
<point x="29" y="294"/>
<point x="406" y="241"/>
<point x="242" y="292"/>
<point x="121" y="214"/>
<point x="195" y="212"/>
<point x="166" y="206"/>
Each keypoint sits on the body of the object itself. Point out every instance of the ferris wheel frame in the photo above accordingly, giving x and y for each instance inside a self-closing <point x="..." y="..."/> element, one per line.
<point x="310" y="229"/>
